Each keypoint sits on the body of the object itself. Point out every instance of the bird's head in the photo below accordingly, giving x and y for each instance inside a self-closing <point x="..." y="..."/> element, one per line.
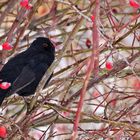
<point x="43" y="44"/>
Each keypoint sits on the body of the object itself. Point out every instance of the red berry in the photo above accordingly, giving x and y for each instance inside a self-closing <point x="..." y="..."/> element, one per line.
<point x="115" y="11"/>
<point x="88" y="43"/>
<point x="3" y="132"/>
<point x="109" y="65"/>
<point x="25" y="4"/>
<point x="28" y="7"/>
<point x="6" y="46"/>
<point x="134" y="4"/>
<point x="92" y="18"/>
<point x="5" y="85"/>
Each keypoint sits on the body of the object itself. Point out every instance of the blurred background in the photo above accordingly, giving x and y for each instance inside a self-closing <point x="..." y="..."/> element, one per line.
<point x="111" y="104"/>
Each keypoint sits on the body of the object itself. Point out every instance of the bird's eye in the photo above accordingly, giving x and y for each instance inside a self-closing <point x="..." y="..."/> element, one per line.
<point x="45" y="45"/>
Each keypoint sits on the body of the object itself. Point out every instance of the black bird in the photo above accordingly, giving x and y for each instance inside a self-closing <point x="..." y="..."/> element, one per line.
<point x="25" y="70"/>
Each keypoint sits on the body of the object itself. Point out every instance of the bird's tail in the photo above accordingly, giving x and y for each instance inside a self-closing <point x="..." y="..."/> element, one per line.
<point x="2" y="96"/>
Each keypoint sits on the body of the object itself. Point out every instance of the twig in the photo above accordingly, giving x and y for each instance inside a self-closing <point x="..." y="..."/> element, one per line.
<point x="92" y="64"/>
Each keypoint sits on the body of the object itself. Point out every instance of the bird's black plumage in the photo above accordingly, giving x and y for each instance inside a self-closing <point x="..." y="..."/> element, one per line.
<point x="25" y="70"/>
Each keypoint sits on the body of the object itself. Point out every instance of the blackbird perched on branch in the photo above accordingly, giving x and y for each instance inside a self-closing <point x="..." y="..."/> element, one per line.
<point x="25" y="70"/>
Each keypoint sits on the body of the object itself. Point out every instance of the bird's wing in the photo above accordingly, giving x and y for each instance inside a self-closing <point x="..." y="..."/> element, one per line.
<point x="26" y="77"/>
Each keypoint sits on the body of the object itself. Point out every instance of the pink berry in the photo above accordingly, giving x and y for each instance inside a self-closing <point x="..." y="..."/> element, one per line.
<point x="95" y="94"/>
<point x="5" y="85"/>
<point x="136" y="84"/>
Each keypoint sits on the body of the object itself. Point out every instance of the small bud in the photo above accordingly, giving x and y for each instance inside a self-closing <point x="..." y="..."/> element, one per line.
<point x="88" y="43"/>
